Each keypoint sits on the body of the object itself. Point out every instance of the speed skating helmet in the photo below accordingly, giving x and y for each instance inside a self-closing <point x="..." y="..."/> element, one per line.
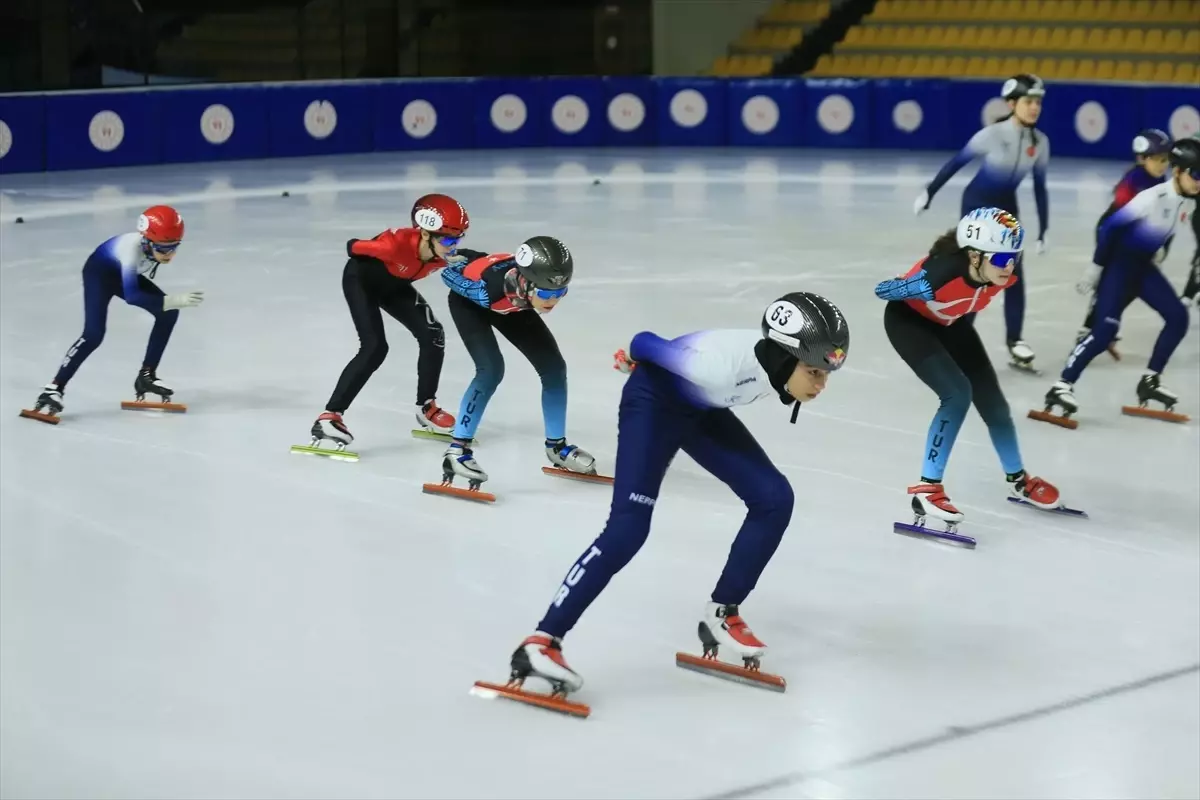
<point x="161" y="225"/>
<point x="545" y="263"/>
<point x="810" y="328"/>
<point x="1185" y="154"/>
<point x="1151" y="142"/>
<point x="1023" y="85"/>
<point x="995" y="232"/>
<point x="441" y="215"/>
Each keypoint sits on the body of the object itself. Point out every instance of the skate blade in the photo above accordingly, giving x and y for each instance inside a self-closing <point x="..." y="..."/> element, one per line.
<point x="327" y="452"/>
<point x="547" y="702"/>
<point x="719" y="669"/>
<point x="49" y="419"/>
<point x="425" y="433"/>
<point x="1028" y="370"/>
<point x="559" y="472"/>
<point x="1070" y="512"/>
<point x="136" y="405"/>
<point x="453" y="491"/>
<point x="907" y="529"/>
<point x="490" y="691"/>
<point x="1054" y="419"/>
<point x="1153" y="413"/>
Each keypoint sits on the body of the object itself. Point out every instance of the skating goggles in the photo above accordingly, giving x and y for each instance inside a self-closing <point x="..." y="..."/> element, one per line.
<point x="449" y="241"/>
<point x="162" y="247"/>
<point x="550" y="294"/>
<point x="1002" y="260"/>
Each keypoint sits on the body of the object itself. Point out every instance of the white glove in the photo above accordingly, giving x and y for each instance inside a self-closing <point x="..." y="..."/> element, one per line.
<point x="1159" y="256"/>
<point x="455" y="260"/>
<point x="1043" y="246"/>
<point x="921" y="203"/>
<point x="185" y="300"/>
<point x="1090" y="280"/>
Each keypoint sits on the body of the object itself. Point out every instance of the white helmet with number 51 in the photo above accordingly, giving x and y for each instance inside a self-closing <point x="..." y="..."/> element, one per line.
<point x="991" y="230"/>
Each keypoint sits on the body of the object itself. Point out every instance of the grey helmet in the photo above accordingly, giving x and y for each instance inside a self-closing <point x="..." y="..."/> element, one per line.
<point x="545" y="263"/>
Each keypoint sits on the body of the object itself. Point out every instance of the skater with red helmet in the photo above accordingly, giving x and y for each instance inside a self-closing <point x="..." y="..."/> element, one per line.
<point x="379" y="277"/>
<point x="123" y="267"/>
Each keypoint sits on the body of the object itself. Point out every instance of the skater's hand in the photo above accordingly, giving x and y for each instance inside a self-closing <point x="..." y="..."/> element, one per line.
<point x="1089" y="281"/>
<point x="185" y="300"/>
<point x="922" y="203"/>
<point x="1043" y="246"/>
<point x="456" y="260"/>
<point x="622" y="362"/>
<point x="1160" y="255"/>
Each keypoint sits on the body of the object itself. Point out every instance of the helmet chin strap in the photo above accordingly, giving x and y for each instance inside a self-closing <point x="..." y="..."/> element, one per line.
<point x="779" y="365"/>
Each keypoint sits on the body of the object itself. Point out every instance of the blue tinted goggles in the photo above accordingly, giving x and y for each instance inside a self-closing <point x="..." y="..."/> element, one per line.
<point x="163" y="247"/>
<point x="1002" y="260"/>
<point x="449" y="241"/>
<point x="550" y="294"/>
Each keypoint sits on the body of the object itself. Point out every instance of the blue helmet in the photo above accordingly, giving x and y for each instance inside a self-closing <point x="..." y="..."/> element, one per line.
<point x="1151" y="142"/>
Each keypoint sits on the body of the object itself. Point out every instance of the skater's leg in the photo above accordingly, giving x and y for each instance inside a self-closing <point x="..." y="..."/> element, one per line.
<point x="967" y="350"/>
<point x="529" y="334"/>
<point x="406" y="305"/>
<point x="921" y="344"/>
<point x="1014" y="304"/>
<point x="1156" y="290"/>
<point x="362" y="300"/>
<point x="1110" y="297"/>
<point x="97" y="292"/>
<point x="474" y="324"/>
<point x="723" y="446"/>
<point x="164" y="323"/>
<point x="651" y="426"/>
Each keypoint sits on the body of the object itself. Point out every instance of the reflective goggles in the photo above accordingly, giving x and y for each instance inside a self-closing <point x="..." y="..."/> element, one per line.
<point x="1002" y="260"/>
<point x="163" y="247"/>
<point x="448" y="241"/>
<point x="550" y="294"/>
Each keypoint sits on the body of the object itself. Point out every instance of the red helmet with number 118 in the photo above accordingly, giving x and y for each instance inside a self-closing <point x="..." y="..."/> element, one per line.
<point x="441" y="215"/>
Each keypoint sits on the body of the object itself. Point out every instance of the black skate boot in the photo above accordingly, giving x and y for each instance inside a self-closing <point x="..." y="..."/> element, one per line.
<point x="145" y="383"/>
<point x="1150" y="389"/>
<point x="48" y="406"/>
<point x="1061" y="395"/>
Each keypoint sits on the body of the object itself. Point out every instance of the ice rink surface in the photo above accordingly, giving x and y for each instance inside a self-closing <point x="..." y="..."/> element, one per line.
<point x="190" y="611"/>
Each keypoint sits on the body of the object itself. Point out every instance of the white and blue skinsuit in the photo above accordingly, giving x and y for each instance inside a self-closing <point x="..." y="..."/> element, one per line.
<point x="1126" y="243"/>
<point x="120" y="267"/>
<point x="1009" y="151"/>
<point x="679" y="398"/>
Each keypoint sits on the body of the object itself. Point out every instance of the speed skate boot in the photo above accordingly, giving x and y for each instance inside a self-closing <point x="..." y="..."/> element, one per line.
<point x="1061" y="395"/>
<point x="722" y="626"/>
<point x="459" y="461"/>
<point x="329" y="426"/>
<point x="572" y="462"/>
<point x="1034" y="491"/>
<point x="435" y="419"/>
<point x="539" y="656"/>
<point x="1150" y="389"/>
<point x="1021" y="356"/>
<point x="48" y="406"/>
<point x="929" y="500"/>
<point x="146" y="383"/>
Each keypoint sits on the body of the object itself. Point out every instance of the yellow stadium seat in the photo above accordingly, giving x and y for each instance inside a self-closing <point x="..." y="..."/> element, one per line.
<point x="923" y="67"/>
<point x="1114" y="40"/>
<point x="993" y="68"/>
<point x="1103" y="10"/>
<point x="855" y="37"/>
<point x="888" y="65"/>
<point x="1067" y="70"/>
<point x="975" y="67"/>
<point x="1173" y="41"/>
<point x="969" y="38"/>
<point x="1027" y="64"/>
<point x="1186" y="11"/>
<point x="1154" y="41"/>
<point x="1106" y="70"/>
<point x="905" y="65"/>
<point x="1191" y="43"/>
<point x="1058" y="39"/>
<point x="950" y="38"/>
<point x="1000" y="39"/>
<point x="871" y="65"/>
<point x="1040" y="39"/>
<point x="1096" y="40"/>
<point x="957" y="66"/>
<point x="1143" y="71"/>
<point x="1185" y="72"/>
<point x="1135" y="41"/>
<point x="1047" y="68"/>
<point x="1085" y="69"/>
<point x="1164" y="72"/>
<point x="1123" y="71"/>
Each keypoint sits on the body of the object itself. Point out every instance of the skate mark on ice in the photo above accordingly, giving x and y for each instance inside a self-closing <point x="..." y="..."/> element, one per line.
<point x="954" y="733"/>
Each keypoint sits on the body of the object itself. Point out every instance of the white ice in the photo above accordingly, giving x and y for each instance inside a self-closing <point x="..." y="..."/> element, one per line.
<point x="190" y="611"/>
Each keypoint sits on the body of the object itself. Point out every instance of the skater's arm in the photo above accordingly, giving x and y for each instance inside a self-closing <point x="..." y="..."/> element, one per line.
<point x="472" y="286"/>
<point x="381" y="247"/>
<point x="1040" y="198"/>
<point x="913" y="287"/>
<point x="134" y="295"/>
<point x="975" y="148"/>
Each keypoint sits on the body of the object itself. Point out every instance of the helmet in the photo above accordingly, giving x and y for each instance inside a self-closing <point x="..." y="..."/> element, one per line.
<point x="545" y="263"/>
<point x="1023" y="85"/>
<point x="991" y="230"/>
<point x="161" y="225"/>
<point x="1185" y="154"/>
<point x="440" y="214"/>
<point x="1151" y="142"/>
<point x="810" y="328"/>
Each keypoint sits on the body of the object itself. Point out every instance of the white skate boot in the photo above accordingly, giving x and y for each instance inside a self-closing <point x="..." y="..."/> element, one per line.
<point x="329" y="427"/>
<point x="459" y="462"/>
<point x="48" y="406"/>
<point x="930" y="500"/>
<point x="572" y="462"/>
<point x="539" y="656"/>
<point x="1021" y="357"/>
<point x="722" y="626"/>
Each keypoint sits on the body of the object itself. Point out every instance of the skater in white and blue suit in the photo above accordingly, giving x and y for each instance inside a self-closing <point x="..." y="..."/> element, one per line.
<point x="678" y="397"/>
<point x="1009" y="149"/>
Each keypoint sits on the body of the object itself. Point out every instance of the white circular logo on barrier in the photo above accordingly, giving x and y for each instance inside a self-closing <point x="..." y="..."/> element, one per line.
<point x="835" y="114"/>
<point x="320" y="119"/>
<point x="626" y="112"/>
<point x="907" y="115"/>
<point x="509" y="113"/>
<point x="993" y="110"/>
<point x="760" y="114"/>
<point x="216" y="124"/>
<point x="419" y="118"/>
<point x="523" y="256"/>
<point x="688" y="108"/>
<point x="5" y="138"/>
<point x="1184" y="122"/>
<point x="1091" y="122"/>
<point x="569" y="114"/>
<point x="106" y="131"/>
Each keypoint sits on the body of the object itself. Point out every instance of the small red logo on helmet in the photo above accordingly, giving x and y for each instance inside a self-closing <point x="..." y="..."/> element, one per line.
<point x="836" y="358"/>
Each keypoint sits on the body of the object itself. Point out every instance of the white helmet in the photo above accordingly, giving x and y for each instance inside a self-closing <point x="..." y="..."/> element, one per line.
<point x="991" y="230"/>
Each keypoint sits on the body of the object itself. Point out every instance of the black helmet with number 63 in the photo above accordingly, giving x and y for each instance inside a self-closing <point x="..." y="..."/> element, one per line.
<point x="545" y="263"/>
<point x="810" y="328"/>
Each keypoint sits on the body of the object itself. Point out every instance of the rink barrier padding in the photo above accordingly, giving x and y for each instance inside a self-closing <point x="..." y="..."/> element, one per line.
<point x="210" y="122"/>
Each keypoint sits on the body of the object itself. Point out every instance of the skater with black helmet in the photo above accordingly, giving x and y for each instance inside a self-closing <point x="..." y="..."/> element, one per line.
<point x="679" y="396"/>
<point x="1126" y="259"/>
<point x="1010" y="148"/>
<point x="927" y="321"/>
<point x="509" y="293"/>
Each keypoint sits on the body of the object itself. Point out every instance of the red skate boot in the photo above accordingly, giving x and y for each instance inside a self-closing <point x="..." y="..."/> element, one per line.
<point x="929" y="500"/>
<point x="1039" y="493"/>
<point x="722" y="626"/>
<point x="539" y="656"/>
<point x="435" y="422"/>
